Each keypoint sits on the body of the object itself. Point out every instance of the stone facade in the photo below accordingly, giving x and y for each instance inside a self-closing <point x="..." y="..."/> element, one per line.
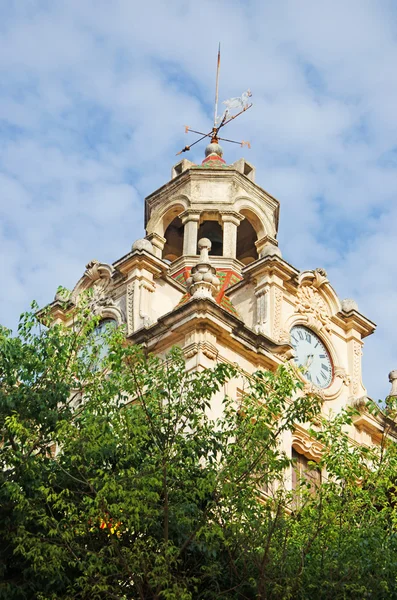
<point x="237" y="304"/>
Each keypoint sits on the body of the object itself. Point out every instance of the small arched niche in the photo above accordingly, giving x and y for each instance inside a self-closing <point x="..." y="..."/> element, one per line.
<point x="246" y="251"/>
<point x="173" y="247"/>
<point x="213" y="231"/>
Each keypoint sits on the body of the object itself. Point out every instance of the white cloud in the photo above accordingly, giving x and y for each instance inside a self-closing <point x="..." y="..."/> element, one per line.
<point x="94" y="97"/>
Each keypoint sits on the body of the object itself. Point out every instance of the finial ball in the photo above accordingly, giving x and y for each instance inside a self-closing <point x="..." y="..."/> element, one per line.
<point x="143" y="244"/>
<point x="214" y="148"/>
<point x="392" y="375"/>
<point x="349" y="304"/>
<point x="204" y="243"/>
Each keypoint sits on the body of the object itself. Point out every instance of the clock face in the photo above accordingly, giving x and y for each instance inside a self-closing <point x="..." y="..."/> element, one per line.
<point x="312" y="356"/>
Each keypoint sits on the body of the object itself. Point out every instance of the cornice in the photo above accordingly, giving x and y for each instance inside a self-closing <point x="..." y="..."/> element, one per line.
<point x="354" y="320"/>
<point x="141" y="258"/>
<point x="219" y="262"/>
<point x="264" y="266"/>
<point x="196" y="313"/>
<point x="196" y="173"/>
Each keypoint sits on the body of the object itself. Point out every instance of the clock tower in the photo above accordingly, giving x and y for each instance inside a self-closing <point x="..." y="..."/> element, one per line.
<point x="209" y="277"/>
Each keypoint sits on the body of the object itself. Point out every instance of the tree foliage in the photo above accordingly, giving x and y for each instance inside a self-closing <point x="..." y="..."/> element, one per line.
<point x="120" y="479"/>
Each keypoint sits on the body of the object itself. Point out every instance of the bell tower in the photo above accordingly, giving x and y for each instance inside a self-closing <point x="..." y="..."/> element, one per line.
<point x="216" y="201"/>
<point x="209" y="277"/>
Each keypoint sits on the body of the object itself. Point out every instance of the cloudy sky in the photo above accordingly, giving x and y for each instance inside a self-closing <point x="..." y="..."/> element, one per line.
<point x="94" y="96"/>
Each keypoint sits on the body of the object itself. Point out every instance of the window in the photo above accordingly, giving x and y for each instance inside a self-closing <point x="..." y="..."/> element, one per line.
<point x="97" y="347"/>
<point x="173" y="248"/>
<point x="303" y="468"/>
<point x="246" y="237"/>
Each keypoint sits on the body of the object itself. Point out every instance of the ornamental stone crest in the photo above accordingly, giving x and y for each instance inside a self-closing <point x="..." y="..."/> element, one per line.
<point x="97" y="282"/>
<point x="310" y="303"/>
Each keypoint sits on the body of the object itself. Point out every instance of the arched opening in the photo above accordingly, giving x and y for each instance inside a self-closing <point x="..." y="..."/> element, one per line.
<point x="173" y="247"/>
<point x="246" y="237"/>
<point x="96" y="347"/>
<point x="213" y="231"/>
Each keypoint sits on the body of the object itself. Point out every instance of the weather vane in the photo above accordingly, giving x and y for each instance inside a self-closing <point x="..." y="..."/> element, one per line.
<point x="241" y="104"/>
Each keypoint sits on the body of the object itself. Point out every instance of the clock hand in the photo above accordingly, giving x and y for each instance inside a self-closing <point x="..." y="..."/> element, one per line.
<point x="309" y="362"/>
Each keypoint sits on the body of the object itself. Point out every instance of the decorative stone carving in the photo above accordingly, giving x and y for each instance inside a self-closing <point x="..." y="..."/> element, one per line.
<point x="209" y="350"/>
<point x="97" y="277"/>
<point x="349" y="304"/>
<point x="306" y="445"/>
<point x="203" y="282"/>
<point x="393" y="381"/>
<point x="130" y="307"/>
<point x="287" y="355"/>
<point x="357" y="352"/>
<point x="285" y="336"/>
<point x="62" y="295"/>
<point x="190" y="351"/>
<point x="262" y="299"/>
<point x="341" y="373"/>
<point x="96" y="270"/>
<point x="358" y="403"/>
<point x="315" y="278"/>
<point x="312" y="305"/>
<point x="278" y="302"/>
<point x="99" y="298"/>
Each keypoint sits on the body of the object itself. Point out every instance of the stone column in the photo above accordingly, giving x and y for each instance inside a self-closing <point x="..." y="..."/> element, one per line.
<point x="230" y="221"/>
<point x="190" y="220"/>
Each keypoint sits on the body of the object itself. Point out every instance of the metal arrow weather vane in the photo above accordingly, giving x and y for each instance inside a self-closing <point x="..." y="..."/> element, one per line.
<point x="239" y="104"/>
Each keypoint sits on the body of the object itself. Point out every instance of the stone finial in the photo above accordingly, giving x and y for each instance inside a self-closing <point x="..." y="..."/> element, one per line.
<point x="214" y="148"/>
<point x="393" y="381"/>
<point x="62" y="295"/>
<point x="203" y="282"/>
<point x="204" y="245"/>
<point x="213" y="154"/>
<point x="349" y="304"/>
<point x="143" y="244"/>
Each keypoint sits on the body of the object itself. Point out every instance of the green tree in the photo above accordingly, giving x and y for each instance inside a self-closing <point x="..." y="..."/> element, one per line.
<point x="119" y="482"/>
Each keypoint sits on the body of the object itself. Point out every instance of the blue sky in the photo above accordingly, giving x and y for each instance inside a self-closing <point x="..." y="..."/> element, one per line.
<point x="94" y="97"/>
